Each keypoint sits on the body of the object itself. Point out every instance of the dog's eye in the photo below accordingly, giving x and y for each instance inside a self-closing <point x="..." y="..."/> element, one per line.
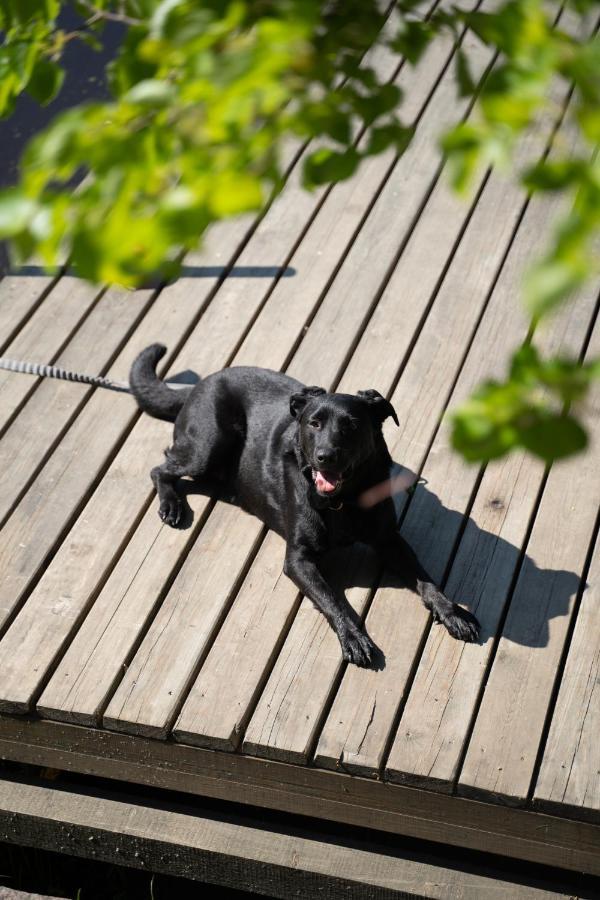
<point x="314" y="423"/>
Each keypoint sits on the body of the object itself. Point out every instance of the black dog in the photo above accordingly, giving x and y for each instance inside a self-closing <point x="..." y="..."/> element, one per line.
<point x="300" y="459"/>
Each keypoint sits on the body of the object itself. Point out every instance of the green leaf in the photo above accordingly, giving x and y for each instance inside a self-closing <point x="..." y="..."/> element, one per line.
<point x="554" y="437"/>
<point x="463" y="147"/>
<point x="412" y="40"/>
<point x="476" y="438"/>
<point x="548" y="283"/>
<point x="384" y="100"/>
<point x="151" y="92"/>
<point x="16" y="211"/>
<point x="553" y="175"/>
<point x="46" y="81"/>
<point x="325" y="165"/>
<point x="393" y="134"/>
<point x="464" y="77"/>
<point x="525" y="364"/>
<point x="233" y="194"/>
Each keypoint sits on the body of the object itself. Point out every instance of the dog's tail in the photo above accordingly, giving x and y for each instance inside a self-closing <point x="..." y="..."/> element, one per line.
<point x="154" y="396"/>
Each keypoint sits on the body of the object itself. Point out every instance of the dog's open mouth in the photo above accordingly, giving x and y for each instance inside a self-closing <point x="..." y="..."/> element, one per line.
<point x="327" y="482"/>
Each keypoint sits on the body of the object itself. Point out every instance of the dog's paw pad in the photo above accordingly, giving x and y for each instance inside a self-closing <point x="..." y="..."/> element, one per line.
<point x="170" y="512"/>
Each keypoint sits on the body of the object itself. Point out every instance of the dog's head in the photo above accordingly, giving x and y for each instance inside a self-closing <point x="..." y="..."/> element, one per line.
<point x="337" y="433"/>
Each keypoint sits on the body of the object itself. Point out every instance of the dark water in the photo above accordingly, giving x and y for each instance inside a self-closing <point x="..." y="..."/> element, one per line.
<point x="84" y="81"/>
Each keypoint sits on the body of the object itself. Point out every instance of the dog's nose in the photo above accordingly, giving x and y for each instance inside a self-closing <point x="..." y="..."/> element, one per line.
<point x="325" y="456"/>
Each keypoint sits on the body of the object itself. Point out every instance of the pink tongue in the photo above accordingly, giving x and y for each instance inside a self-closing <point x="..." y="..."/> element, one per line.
<point x="326" y="481"/>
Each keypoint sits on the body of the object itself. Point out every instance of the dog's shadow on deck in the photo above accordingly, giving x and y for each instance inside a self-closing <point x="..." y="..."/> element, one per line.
<point x="471" y="581"/>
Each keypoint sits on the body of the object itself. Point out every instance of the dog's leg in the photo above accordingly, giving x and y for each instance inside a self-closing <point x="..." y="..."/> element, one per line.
<point x="301" y="566"/>
<point x="164" y="479"/>
<point x="401" y="559"/>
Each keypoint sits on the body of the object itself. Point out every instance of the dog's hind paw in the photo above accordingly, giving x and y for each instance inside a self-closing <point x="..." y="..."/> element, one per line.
<point x="170" y="512"/>
<point x="358" y="648"/>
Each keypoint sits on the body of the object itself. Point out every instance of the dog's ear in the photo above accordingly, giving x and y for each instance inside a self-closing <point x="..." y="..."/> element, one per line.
<point x="379" y="406"/>
<point x="298" y="401"/>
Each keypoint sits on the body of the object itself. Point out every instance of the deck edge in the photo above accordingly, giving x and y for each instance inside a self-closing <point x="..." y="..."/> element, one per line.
<point x="518" y="833"/>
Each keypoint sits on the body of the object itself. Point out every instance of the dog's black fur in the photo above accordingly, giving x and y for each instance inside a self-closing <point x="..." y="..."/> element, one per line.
<point x="302" y="460"/>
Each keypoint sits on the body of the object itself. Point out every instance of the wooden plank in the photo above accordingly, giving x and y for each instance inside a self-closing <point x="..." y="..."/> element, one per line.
<point x="435" y="358"/>
<point x="338" y="215"/>
<point x="332" y="796"/>
<point x="429" y="742"/>
<point x="411" y="287"/>
<point x="356" y="733"/>
<point x="151" y="691"/>
<point x="30" y="438"/>
<point x="194" y="609"/>
<point x="20" y="294"/>
<point x="43" y="337"/>
<point x="502" y="751"/>
<point x="240" y="852"/>
<point x="87" y="674"/>
<point x="265" y="604"/>
<point x="569" y="777"/>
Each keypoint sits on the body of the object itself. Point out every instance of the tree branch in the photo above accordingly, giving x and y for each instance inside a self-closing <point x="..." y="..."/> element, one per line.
<point x="98" y="14"/>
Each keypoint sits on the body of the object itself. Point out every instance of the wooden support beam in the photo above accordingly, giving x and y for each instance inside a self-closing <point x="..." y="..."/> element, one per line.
<point x="226" y="851"/>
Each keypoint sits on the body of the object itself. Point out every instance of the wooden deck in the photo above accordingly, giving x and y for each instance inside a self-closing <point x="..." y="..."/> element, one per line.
<point x="185" y="659"/>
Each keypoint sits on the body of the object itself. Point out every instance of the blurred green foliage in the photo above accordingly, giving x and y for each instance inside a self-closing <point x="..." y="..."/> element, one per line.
<point x="205" y="95"/>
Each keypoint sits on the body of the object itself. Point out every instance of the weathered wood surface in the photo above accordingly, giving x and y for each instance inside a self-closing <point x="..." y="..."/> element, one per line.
<point x="445" y="689"/>
<point x="355" y="733"/>
<point x="428" y="745"/>
<point x="20" y="295"/>
<point x="64" y="485"/>
<point x="30" y="439"/>
<point x="570" y="770"/>
<point x="112" y="621"/>
<point x="503" y="748"/>
<point x="42" y="337"/>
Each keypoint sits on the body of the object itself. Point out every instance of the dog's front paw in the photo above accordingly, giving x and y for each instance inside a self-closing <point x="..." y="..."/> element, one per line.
<point x="170" y="512"/>
<point x="358" y="648"/>
<point x="461" y="624"/>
